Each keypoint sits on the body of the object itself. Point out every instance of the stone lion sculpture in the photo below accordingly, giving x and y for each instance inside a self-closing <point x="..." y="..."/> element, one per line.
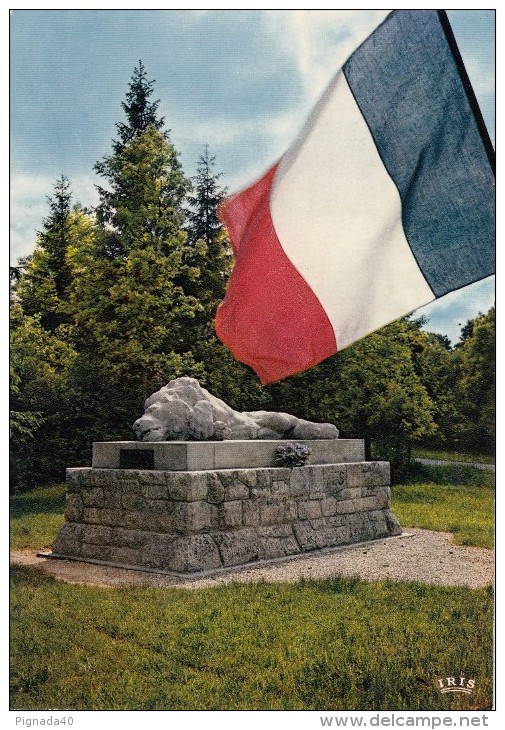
<point x="184" y="411"/>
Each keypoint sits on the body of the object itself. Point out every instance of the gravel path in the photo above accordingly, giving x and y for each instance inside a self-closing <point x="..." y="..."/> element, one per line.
<point x="439" y="462"/>
<point x="420" y="555"/>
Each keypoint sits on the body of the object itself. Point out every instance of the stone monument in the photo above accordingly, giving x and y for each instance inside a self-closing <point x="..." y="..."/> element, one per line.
<point x="206" y="487"/>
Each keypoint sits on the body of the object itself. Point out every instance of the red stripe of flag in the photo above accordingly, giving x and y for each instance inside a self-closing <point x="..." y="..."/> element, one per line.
<point x="270" y="318"/>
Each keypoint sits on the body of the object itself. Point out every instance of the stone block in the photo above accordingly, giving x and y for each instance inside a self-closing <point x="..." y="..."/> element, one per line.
<point x="234" y="490"/>
<point x="251" y="513"/>
<point x="248" y="477"/>
<point x="393" y="526"/>
<point x="360" y="527"/>
<point x="378" y="523"/>
<point x="328" y="506"/>
<point x="215" y="489"/>
<point x="285" y="530"/>
<point x="334" y="478"/>
<point x="92" y="497"/>
<point x="236" y="548"/>
<point x="236" y="454"/>
<point x="73" y="479"/>
<point x="101" y="478"/>
<point x="121" y="537"/>
<point x="299" y="483"/>
<point x="158" y="506"/>
<point x="193" y="553"/>
<point x="96" y="552"/>
<point x="93" y="516"/>
<point x="337" y="520"/>
<point x="361" y="504"/>
<point x="278" y="541"/>
<point x="231" y="513"/>
<point x="73" y="507"/>
<point x="69" y="539"/>
<point x="368" y="473"/>
<point x="279" y="487"/>
<point x="160" y="523"/>
<point x="152" y="478"/>
<point x="112" y="497"/>
<point x="189" y="487"/>
<point x="383" y="496"/>
<point x="309" y="509"/>
<point x="156" y="551"/>
<point x="194" y="516"/>
<point x="133" y="501"/>
<point x="275" y="511"/>
<point x="305" y="535"/>
<point x="317" y="486"/>
<point x="326" y="534"/>
<point x="97" y="534"/>
<point x="350" y="493"/>
<point x="124" y="555"/>
<point x="279" y="547"/>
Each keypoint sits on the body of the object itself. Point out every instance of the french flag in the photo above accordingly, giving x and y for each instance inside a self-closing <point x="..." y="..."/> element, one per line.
<point x="384" y="203"/>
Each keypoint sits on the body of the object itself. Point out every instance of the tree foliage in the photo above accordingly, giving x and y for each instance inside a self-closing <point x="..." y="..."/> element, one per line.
<point x="45" y="284"/>
<point x="476" y="362"/>
<point x="141" y="113"/>
<point x="39" y="428"/>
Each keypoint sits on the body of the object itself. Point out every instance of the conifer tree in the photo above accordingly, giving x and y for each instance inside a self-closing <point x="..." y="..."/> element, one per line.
<point x="141" y="113"/>
<point x="209" y="245"/>
<point x="44" y="278"/>
<point x="133" y="311"/>
<point x="143" y="203"/>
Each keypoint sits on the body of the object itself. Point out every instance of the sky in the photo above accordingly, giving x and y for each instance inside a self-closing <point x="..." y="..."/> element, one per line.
<point x="241" y="81"/>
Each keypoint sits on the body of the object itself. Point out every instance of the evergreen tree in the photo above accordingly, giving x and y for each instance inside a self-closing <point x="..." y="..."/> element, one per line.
<point x="134" y="314"/>
<point x="141" y="113"/>
<point x="143" y="204"/>
<point x="209" y="245"/>
<point x="44" y="279"/>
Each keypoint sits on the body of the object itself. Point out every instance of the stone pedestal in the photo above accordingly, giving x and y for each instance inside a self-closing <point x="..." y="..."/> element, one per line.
<point x="199" y="455"/>
<point x="214" y="518"/>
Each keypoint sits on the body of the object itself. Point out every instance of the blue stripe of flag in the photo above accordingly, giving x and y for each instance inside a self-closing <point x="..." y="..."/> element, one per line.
<point x="409" y="83"/>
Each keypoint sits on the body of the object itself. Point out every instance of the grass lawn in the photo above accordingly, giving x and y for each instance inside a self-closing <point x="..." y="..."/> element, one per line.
<point x="36" y="517"/>
<point x="455" y="499"/>
<point x="335" y="644"/>
<point x="328" y="645"/>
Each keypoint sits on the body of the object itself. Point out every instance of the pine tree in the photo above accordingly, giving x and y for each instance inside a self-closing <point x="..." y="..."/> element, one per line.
<point x="45" y="278"/>
<point x="133" y="312"/>
<point x="140" y="112"/>
<point x="143" y="204"/>
<point x="209" y="245"/>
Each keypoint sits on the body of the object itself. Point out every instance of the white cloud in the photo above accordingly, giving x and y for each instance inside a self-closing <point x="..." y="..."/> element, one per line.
<point x="320" y="40"/>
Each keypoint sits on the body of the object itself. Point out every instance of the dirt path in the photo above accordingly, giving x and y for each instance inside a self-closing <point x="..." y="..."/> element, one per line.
<point x="439" y="462"/>
<point x="420" y="555"/>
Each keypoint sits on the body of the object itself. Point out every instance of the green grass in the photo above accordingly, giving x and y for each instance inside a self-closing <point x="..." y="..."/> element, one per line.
<point x="36" y="517"/>
<point x="453" y="456"/>
<point x="338" y="644"/>
<point x="455" y="499"/>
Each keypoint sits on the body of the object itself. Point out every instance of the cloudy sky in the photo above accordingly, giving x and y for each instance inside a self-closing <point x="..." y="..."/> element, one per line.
<point x="242" y="81"/>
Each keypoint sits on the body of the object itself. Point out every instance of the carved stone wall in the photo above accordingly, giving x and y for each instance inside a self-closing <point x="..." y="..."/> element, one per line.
<point x="193" y="521"/>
